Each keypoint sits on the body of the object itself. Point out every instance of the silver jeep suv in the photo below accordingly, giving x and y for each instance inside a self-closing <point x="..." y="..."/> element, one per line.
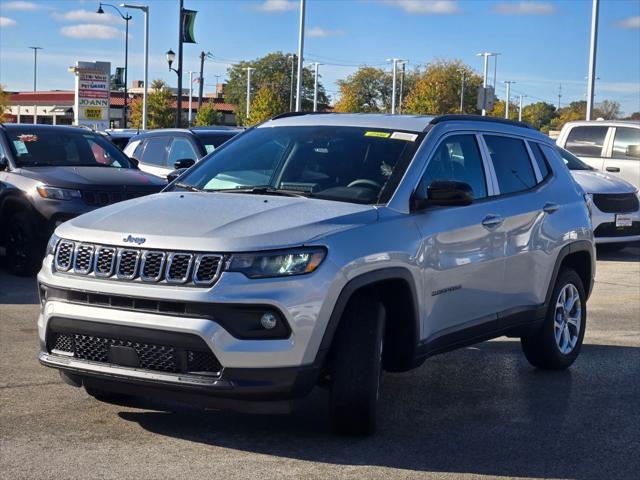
<point x="320" y="250"/>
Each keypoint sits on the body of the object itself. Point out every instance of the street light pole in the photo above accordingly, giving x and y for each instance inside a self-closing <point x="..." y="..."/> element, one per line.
<point x="403" y="63"/>
<point x="35" y="76"/>
<point x="592" y="57"/>
<point x="462" y="91"/>
<point x="179" y="72"/>
<point x="300" y="57"/>
<point x="126" y="17"/>
<point x="145" y="10"/>
<point x="506" y="106"/>
<point x="520" y="107"/>
<point x="190" y="94"/>
<point x="249" y="70"/>
<point x="292" y="58"/>
<point x="315" y="87"/>
<point x="486" y="56"/>
<point x="393" y="86"/>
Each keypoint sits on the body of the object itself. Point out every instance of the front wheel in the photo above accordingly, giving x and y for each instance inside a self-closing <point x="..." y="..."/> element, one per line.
<point x="557" y="344"/>
<point x="24" y="248"/>
<point x="356" y="367"/>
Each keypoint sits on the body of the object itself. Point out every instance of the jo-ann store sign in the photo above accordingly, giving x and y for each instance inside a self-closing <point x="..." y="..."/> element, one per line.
<point x="92" y="94"/>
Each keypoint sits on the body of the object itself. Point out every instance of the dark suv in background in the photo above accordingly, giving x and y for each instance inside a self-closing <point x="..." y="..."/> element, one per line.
<point x="159" y="152"/>
<point x="50" y="174"/>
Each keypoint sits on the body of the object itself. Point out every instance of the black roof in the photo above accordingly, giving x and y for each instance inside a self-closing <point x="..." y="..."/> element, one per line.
<point x="478" y="118"/>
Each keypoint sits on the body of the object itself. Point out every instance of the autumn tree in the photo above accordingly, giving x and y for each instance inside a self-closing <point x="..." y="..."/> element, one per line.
<point x="539" y="115"/>
<point x="208" y="115"/>
<point x="437" y="90"/>
<point x="366" y="90"/>
<point x="499" y="110"/>
<point x="272" y="70"/>
<point x="266" y="104"/>
<point x="160" y="109"/>
<point x="5" y="102"/>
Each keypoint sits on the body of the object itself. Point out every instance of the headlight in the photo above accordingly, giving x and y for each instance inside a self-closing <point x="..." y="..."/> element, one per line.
<point x="277" y="264"/>
<point x="56" y="193"/>
<point x="53" y="243"/>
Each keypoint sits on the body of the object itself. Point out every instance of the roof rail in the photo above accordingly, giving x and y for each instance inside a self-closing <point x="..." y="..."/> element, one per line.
<point x="295" y="114"/>
<point x="478" y="118"/>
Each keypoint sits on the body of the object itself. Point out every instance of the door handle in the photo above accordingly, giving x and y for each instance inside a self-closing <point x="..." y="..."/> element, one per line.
<point x="613" y="169"/>
<point x="492" y="221"/>
<point x="551" y="207"/>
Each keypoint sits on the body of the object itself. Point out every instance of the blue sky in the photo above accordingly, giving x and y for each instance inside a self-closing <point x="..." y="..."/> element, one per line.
<point x="543" y="43"/>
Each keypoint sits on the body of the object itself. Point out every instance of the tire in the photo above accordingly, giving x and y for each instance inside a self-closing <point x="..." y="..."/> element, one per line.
<point x="542" y="349"/>
<point x="25" y="249"/>
<point x="356" y="367"/>
<point x="106" y="396"/>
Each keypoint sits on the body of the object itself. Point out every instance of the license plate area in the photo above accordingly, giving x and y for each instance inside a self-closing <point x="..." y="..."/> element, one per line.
<point x="623" y="221"/>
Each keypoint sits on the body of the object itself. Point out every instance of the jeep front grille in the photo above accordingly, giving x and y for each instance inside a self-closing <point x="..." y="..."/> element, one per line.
<point x="134" y="264"/>
<point x="616" y="202"/>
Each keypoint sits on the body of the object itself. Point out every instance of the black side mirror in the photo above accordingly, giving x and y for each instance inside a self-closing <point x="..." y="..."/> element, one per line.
<point x="175" y="174"/>
<point x="443" y="193"/>
<point x="4" y="164"/>
<point x="135" y="162"/>
<point x="184" y="163"/>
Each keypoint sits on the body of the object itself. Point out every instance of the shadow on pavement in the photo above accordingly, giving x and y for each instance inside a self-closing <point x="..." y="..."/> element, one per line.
<point x="17" y="290"/>
<point x="480" y="410"/>
<point x="631" y="253"/>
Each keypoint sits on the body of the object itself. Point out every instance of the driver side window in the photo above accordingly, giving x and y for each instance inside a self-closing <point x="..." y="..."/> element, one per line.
<point x="457" y="158"/>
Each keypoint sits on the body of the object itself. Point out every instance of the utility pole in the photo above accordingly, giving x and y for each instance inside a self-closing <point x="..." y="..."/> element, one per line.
<point x="201" y="80"/>
<point x="35" y="76"/>
<point x="315" y="87"/>
<point x="292" y="58"/>
<point x="300" y="57"/>
<point x="403" y="63"/>
<point x="249" y="70"/>
<point x="559" y="95"/>
<point x="462" y="91"/>
<point x="217" y="83"/>
<point x="520" y="107"/>
<point x="592" y="58"/>
<point x="395" y="62"/>
<point x="179" y="97"/>
<point x="506" y="106"/>
<point x="190" y="95"/>
<point x="495" y="70"/>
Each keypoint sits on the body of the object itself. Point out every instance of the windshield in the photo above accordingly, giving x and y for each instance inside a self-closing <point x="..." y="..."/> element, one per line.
<point x="212" y="141"/>
<point x="34" y="147"/>
<point x="347" y="164"/>
<point x="571" y="161"/>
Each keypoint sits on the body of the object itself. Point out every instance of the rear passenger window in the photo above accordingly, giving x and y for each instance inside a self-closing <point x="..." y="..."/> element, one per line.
<point x="540" y="159"/>
<point x="457" y="158"/>
<point x="155" y="152"/>
<point x="511" y="162"/>
<point x="586" y="141"/>
<point x="626" y="143"/>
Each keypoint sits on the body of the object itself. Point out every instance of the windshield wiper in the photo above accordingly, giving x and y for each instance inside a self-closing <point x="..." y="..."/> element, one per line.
<point x="264" y="190"/>
<point x="188" y="187"/>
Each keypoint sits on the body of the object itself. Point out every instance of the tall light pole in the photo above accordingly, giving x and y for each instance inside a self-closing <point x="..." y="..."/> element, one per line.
<point x="190" y="95"/>
<point x="315" y="86"/>
<point x="35" y="76"/>
<point x="292" y="58"/>
<point x="495" y="70"/>
<point x="300" y="57"/>
<point x="395" y="62"/>
<point x="592" y="57"/>
<point x="506" y="105"/>
<point x="126" y="17"/>
<point x="486" y="56"/>
<point x="145" y="80"/>
<point x="464" y="74"/>
<point x="249" y="70"/>
<point x="520" y="107"/>
<point x="403" y="63"/>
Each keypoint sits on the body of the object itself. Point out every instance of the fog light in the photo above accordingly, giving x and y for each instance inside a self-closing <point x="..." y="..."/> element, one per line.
<point x="268" y="321"/>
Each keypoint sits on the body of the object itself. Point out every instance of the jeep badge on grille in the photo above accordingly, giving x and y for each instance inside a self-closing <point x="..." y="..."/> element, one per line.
<point x="136" y="240"/>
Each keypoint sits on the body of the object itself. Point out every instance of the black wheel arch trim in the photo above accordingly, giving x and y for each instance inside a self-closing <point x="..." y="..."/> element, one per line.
<point x="574" y="247"/>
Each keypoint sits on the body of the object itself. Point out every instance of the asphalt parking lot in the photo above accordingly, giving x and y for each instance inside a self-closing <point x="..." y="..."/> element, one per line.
<point x="478" y="412"/>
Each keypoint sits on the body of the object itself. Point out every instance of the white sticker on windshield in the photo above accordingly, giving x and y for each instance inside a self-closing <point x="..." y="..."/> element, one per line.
<point x="209" y="148"/>
<point x="20" y="147"/>
<point x="407" y="137"/>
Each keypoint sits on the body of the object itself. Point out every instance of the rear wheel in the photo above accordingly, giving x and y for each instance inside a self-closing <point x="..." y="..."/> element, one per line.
<point x="356" y="367"/>
<point x="24" y="247"/>
<point x="557" y="344"/>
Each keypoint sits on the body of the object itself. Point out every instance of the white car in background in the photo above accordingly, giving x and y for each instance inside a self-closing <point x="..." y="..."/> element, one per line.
<point x="615" y="203"/>
<point x="610" y="146"/>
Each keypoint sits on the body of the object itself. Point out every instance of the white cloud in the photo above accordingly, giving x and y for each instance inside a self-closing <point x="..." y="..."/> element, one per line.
<point x="631" y="22"/>
<point x="91" y="30"/>
<point x="276" y="6"/>
<point x="524" y="8"/>
<point x="85" y="16"/>
<point x="438" y="7"/>
<point x="20" y="6"/>
<point x="317" y="32"/>
<point x="7" y="22"/>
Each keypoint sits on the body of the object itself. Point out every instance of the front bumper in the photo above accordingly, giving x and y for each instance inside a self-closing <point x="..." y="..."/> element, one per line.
<point x="605" y="230"/>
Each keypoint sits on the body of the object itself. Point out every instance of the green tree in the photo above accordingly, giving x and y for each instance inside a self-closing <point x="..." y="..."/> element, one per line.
<point x="569" y="113"/>
<point x="273" y="70"/>
<point x="539" y="115"/>
<point x="633" y="116"/>
<point x="208" y="115"/>
<point x="160" y="107"/>
<point x="499" y="110"/>
<point x="366" y="90"/>
<point x="265" y="105"/>
<point x="5" y="101"/>
<point x="437" y="90"/>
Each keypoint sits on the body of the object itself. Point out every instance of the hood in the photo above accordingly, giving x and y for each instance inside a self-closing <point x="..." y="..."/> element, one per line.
<point x="598" y="182"/>
<point x="92" y="177"/>
<point x="217" y="222"/>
